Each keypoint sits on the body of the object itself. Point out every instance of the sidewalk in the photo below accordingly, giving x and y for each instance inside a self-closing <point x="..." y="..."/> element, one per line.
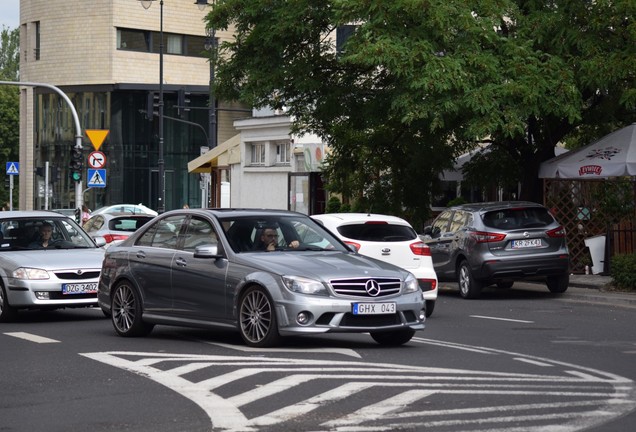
<point x="597" y="288"/>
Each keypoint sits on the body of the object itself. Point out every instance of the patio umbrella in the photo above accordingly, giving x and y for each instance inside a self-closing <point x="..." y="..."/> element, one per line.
<point x="614" y="155"/>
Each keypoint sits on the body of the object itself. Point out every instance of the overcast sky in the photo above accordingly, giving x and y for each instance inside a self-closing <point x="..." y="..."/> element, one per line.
<point x="9" y="14"/>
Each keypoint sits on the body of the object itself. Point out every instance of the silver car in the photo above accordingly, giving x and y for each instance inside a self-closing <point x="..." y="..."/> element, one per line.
<point x="482" y="244"/>
<point x="46" y="262"/>
<point x="266" y="273"/>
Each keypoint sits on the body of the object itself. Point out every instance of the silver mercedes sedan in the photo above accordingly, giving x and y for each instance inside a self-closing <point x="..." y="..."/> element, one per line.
<point x="46" y="262"/>
<point x="265" y="273"/>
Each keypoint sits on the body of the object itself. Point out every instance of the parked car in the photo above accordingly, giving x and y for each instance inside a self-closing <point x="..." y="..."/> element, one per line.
<point x="390" y="239"/>
<point x="115" y="227"/>
<point x="211" y="268"/>
<point x="66" y="212"/>
<point x="125" y="208"/>
<point x="481" y="244"/>
<point x="46" y="262"/>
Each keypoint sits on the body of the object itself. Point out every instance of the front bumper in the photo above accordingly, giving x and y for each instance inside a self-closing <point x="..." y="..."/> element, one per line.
<point x="334" y="315"/>
<point x="47" y="293"/>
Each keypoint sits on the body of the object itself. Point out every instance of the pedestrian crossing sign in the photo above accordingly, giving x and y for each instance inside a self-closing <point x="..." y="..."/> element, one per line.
<point x="13" y="168"/>
<point x="96" y="178"/>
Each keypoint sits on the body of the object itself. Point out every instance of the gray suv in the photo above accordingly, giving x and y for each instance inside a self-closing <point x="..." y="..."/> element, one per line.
<point x="481" y="244"/>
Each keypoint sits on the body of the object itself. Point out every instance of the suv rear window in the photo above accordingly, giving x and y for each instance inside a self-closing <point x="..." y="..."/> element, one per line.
<point x="378" y="232"/>
<point x="518" y="218"/>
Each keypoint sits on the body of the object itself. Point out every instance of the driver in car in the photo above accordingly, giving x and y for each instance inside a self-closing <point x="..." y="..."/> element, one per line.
<point x="45" y="241"/>
<point x="269" y="240"/>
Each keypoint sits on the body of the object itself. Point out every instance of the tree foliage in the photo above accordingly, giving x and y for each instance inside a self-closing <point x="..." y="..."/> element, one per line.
<point x="419" y="82"/>
<point x="9" y="104"/>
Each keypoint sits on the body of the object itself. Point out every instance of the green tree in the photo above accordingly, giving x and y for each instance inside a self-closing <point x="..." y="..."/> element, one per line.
<point x="9" y="106"/>
<point x="418" y="83"/>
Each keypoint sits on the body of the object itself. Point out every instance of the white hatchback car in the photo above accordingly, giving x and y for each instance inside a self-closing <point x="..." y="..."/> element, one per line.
<point x="390" y="239"/>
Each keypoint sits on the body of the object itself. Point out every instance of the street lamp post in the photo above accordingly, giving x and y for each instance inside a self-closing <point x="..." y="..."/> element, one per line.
<point x="210" y="45"/>
<point x="161" y="206"/>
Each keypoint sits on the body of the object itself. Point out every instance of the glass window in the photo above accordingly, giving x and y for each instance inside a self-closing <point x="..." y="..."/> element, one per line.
<point x="517" y="218"/>
<point x="440" y="225"/>
<point x="163" y="233"/>
<point x="460" y="219"/>
<point x="133" y="40"/>
<point x="378" y="232"/>
<point x="199" y="232"/>
<point x="195" y="46"/>
<point x="258" y="154"/>
<point x="174" y="44"/>
<point x="282" y="153"/>
<point x="59" y="233"/>
<point x="37" y="40"/>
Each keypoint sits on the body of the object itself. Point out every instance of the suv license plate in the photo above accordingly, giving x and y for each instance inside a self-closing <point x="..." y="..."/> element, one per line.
<point x="81" y="288"/>
<point x="373" y="308"/>
<point x="530" y="243"/>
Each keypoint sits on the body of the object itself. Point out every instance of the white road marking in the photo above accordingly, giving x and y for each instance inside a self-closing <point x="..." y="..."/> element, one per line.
<point x="342" y="351"/>
<point x="453" y="345"/>
<point x="534" y="362"/>
<point x="502" y="319"/>
<point x="392" y="391"/>
<point x="32" y="338"/>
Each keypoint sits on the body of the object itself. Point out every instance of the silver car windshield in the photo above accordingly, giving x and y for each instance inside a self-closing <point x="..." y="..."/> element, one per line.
<point x="293" y="233"/>
<point x="42" y="233"/>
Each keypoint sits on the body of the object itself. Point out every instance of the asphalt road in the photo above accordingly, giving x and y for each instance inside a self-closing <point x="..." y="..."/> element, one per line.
<point x="514" y="360"/>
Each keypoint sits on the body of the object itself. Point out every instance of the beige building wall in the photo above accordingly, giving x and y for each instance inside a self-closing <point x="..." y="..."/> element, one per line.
<point x="78" y="43"/>
<point x="78" y="46"/>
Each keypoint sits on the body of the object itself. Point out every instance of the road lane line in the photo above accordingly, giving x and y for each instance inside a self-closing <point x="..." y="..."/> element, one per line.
<point x="534" y="362"/>
<point x="502" y="319"/>
<point x="31" y="337"/>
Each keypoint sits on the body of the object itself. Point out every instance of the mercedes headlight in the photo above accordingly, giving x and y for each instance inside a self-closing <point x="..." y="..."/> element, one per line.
<point x="411" y="284"/>
<point x="304" y="285"/>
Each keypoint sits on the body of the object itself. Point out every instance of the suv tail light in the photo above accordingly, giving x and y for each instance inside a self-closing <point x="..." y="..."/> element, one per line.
<point x="488" y="237"/>
<point x="556" y="232"/>
<point x="354" y="244"/>
<point x="420" y="248"/>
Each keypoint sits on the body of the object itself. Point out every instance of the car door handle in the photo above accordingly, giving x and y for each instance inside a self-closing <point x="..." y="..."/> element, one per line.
<point x="181" y="262"/>
<point x="141" y="254"/>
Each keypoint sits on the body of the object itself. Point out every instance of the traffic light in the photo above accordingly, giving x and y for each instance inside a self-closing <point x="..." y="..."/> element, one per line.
<point x="183" y="103"/>
<point x="75" y="166"/>
<point x="55" y="174"/>
<point x="152" y="105"/>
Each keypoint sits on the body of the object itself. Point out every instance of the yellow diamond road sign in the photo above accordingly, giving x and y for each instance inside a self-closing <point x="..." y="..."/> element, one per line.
<point x="97" y="137"/>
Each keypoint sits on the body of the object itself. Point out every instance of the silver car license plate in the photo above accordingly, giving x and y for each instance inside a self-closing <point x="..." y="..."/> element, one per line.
<point x="530" y="243"/>
<point x="373" y="308"/>
<point x="80" y="288"/>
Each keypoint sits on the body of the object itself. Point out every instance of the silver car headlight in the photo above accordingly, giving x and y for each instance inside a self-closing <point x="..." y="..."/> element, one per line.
<point x="411" y="284"/>
<point x="30" y="273"/>
<point x="304" y="285"/>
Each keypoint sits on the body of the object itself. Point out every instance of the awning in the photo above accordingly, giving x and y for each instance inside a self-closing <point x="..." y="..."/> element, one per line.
<point x="225" y="154"/>
<point x="614" y="155"/>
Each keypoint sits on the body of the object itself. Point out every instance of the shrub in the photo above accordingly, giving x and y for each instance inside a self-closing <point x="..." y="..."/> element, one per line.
<point x="333" y="205"/>
<point x="624" y="271"/>
<point x="456" y="201"/>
